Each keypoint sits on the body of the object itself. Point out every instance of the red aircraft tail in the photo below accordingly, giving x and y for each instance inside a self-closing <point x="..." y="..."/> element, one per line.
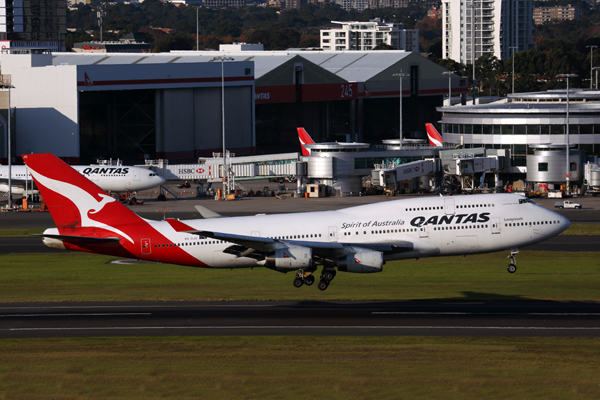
<point x="435" y="139"/>
<point x="74" y="201"/>
<point x="304" y="139"/>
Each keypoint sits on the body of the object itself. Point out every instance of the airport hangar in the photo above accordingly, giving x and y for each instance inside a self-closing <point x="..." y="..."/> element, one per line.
<point x="168" y="105"/>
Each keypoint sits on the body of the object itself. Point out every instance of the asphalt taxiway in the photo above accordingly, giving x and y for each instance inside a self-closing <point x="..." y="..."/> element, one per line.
<point x="422" y="318"/>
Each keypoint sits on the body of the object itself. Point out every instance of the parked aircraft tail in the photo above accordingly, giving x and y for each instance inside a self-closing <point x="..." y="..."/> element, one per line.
<point x="304" y="139"/>
<point x="435" y="139"/>
<point x="73" y="200"/>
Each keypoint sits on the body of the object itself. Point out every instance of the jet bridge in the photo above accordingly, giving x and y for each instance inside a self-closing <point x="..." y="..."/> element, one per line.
<point x="462" y="165"/>
<point x="210" y="170"/>
<point x="391" y="176"/>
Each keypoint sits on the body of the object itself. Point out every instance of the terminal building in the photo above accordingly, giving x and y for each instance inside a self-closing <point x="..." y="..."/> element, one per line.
<point x="532" y="127"/>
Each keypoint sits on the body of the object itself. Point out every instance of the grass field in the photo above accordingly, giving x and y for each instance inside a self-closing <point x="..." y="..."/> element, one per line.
<point x="554" y="276"/>
<point x="300" y="368"/>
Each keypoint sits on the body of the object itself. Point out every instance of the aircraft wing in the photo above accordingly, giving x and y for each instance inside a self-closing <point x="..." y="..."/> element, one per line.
<point x="251" y="244"/>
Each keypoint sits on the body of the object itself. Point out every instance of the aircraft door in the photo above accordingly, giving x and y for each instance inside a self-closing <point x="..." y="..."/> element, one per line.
<point x="255" y="233"/>
<point x="423" y="232"/>
<point x="136" y="175"/>
<point x="495" y="225"/>
<point x="448" y="206"/>
<point x="333" y="234"/>
<point x="146" y="248"/>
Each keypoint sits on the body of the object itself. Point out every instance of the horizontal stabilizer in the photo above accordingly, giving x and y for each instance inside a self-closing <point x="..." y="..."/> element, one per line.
<point x="80" y="239"/>
<point x="207" y="213"/>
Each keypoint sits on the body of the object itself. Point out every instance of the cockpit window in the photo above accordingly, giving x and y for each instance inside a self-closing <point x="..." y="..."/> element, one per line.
<point x="523" y="201"/>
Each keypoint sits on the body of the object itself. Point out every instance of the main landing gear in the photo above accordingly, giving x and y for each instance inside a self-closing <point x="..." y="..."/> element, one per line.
<point x="307" y="278"/>
<point x="512" y="267"/>
<point x="304" y="278"/>
<point x="327" y="276"/>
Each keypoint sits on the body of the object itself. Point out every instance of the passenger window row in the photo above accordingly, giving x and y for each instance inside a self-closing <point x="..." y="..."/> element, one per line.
<point x="531" y="223"/>
<point x="458" y="206"/>
<point x="383" y="231"/>
<point x="458" y="227"/>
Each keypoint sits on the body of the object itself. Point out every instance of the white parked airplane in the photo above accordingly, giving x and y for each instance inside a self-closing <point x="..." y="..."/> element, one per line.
<point x="357" y="239"/>
<point x="111" y="178"/>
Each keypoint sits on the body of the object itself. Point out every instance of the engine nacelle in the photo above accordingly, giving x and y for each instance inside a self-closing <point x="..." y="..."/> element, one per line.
<point x="289" y="258"/>
<point x="364" y="261"/>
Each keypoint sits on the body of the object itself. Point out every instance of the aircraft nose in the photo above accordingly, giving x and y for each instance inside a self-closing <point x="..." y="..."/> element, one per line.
<point x="564" y="223"/>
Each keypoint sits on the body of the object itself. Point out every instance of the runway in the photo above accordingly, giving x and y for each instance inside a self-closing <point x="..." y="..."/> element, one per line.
<point x="422" y="318"/>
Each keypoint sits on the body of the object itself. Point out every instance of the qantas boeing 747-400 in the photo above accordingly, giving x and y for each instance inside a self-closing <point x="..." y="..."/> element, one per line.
<point x="358" y="239"/>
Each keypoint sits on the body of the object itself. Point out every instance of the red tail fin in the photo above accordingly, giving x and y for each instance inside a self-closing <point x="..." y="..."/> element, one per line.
<point x="435" y="139"/>
<point x="73" y="200"/>
<point x="304" y="139"/>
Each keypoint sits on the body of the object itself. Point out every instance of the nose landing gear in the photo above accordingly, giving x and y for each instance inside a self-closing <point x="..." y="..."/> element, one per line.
<point x="512" y="267"/>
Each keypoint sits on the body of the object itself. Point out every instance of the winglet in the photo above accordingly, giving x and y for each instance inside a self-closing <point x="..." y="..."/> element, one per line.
<point x="435" y="139"/>
<point x="304" y="139"/>
<point x="207" y="213"/>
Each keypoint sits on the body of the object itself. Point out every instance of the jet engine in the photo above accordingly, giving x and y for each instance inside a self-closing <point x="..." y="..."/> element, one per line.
<point x="289" y="258"/>
<point x="363" y="261"/>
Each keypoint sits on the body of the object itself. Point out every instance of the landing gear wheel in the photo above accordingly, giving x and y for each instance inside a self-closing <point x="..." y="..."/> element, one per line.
<point x="162" y="197"/>
<point x="323" y="285"/>
<point x="309" y="280"/>
<point x="512" y="267"/>
<point x="328" y="275"/>
<point x="298" y="282"/>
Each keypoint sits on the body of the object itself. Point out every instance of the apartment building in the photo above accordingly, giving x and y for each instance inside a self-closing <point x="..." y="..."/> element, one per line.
<point x="354" y="35"/>
<point x="32" y="24"/>
<point x="556" y="14"/>
<point x="480" y="27"/>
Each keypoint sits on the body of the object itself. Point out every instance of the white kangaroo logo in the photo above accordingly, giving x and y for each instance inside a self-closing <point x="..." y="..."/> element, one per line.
<point x="85" y="202"/>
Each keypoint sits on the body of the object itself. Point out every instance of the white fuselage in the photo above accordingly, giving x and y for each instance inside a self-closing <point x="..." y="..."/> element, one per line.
<point x="435" y="226"/>
<point x="111" y="178"/>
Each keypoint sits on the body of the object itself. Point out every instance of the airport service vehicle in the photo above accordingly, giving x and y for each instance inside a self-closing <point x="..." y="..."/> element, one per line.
<point x="110" y="178"/>
<point x="358" y="239"/>
<point x="567" y="204"/>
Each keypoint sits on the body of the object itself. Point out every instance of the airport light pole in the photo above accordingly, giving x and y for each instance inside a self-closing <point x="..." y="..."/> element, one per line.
<point x="592" y="47"/>
<point x="596" y="69"/>
<point x="568" y="171"/>
<point x="225" y="174"/>
<point x="513" y="68"/>
<point x="9" y="151"/>
<point x="472" y="4"/>
<point x="197" y="30"/>
<point x="401" y="75"/>
<point x="449" y="73"/>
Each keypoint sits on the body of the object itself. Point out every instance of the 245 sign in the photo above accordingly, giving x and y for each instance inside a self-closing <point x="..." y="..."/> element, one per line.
<point x="346" y="91"/>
